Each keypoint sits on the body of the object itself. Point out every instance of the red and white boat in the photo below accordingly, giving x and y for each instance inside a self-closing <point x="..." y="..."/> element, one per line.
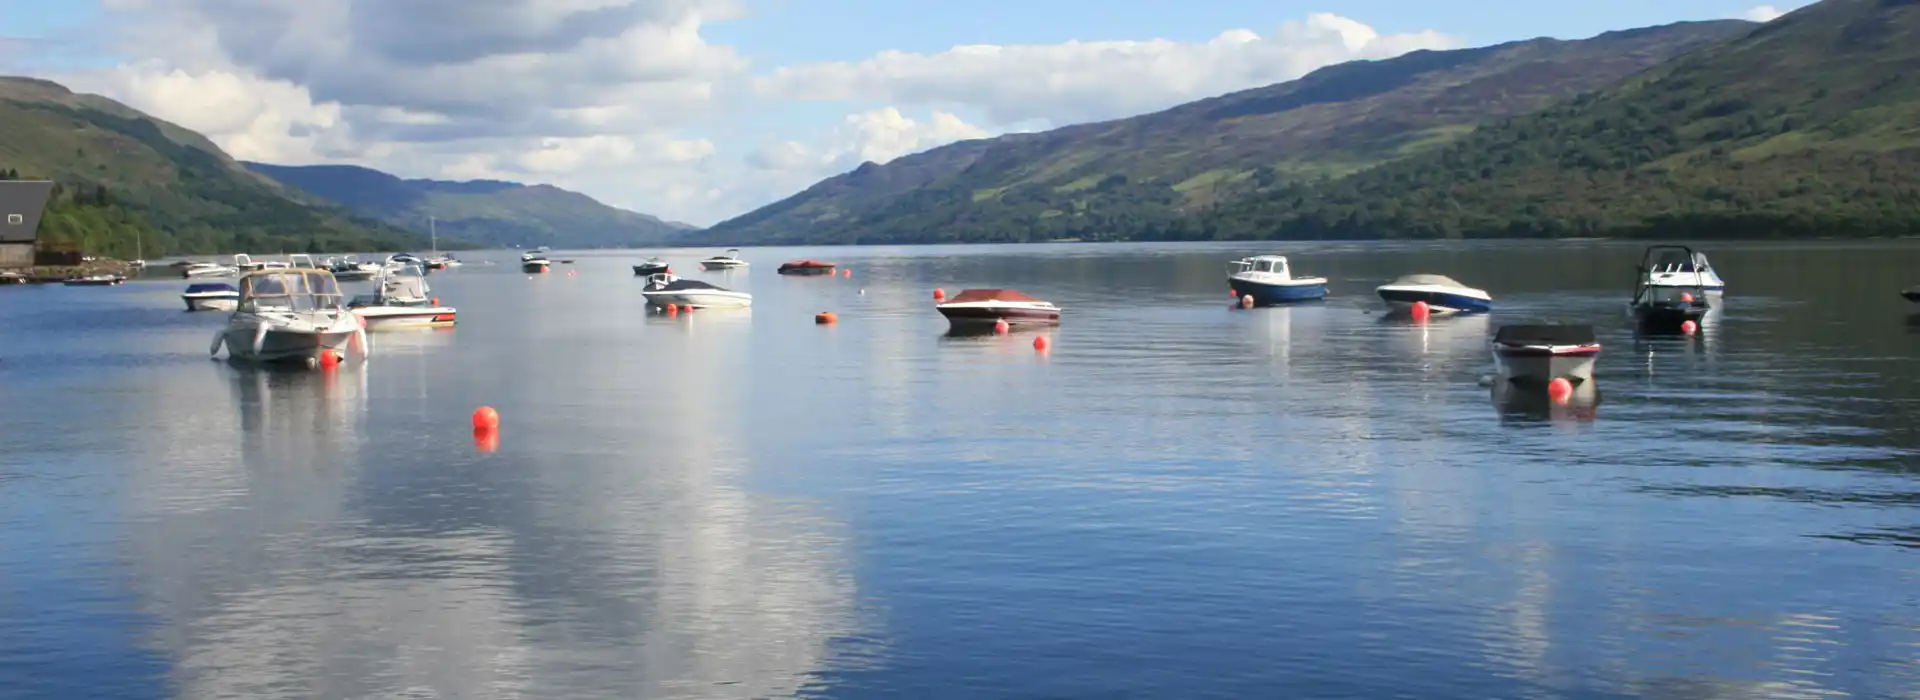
<point x="987" y="306"/>
<point x="1543" y="353"/>
<point x="806" y="267"/>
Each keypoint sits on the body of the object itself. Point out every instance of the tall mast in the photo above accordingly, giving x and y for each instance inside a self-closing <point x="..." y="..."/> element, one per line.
<point x="434" y="234"/>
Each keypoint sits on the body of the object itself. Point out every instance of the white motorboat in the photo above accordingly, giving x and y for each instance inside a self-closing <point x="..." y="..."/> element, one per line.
<point x="207" y="269"/>
<point x="653" y="266"/>
<point x="1543" y="353"/>
<point x="535" y="260"/>
<point x="725" y="261"/>
<point x="289" y="315"/>
<point x="986" y="307"/>
<point x="1270" y="281"/>
<point x="1689" y="271"/>
<point x="95" y="281"/>
<point x="350" y="269"/>
<point x="402" y="302"/>
<point x="1441" y="293"/>
<point x="663" y="289"/>
<point x="211" y="296"/>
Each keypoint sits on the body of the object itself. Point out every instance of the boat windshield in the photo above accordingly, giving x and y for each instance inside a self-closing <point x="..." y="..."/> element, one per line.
<point x="290" y="290"/>
<point x="1431" y="280"/>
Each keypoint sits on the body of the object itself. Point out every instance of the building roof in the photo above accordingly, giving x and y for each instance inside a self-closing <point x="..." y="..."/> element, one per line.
<point x="21" y="204"/>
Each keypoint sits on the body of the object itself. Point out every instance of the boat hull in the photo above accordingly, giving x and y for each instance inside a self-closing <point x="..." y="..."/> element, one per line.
<point x="1438" y="300"/>
<point x="721" y="265"/>
<point x="1266" y="294"/>
<point x="397" y="317"/>
<point x="966" y="315"/>
<point x="706" y="299"/>
<point x="534" y="266"/>
<point x="806" y="270"/>
<point x="1667" y="317"/>
<point x="212" y="302"/>
<point x="282" y="345"/>
<point x="1541" y="363"/>
<point x="647" y="270"/>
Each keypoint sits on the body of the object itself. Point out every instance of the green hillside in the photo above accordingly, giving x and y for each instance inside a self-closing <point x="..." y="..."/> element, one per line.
<point x="1145" y="173"/>
<point x="1809" y="126"/>
<point x="126" y="176"/>
<point x="484" y="212"/>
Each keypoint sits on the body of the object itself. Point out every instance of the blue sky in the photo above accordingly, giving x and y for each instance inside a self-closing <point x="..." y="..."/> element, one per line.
<point x="693" y="109"/>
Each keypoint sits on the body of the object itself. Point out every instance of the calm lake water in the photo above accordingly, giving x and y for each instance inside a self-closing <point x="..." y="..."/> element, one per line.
<point x="1178" y="501"/>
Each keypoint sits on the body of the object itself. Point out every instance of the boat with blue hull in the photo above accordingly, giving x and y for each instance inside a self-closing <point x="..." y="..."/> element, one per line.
<point x="1269" y="280"/>
<point x="1442" y="295"/>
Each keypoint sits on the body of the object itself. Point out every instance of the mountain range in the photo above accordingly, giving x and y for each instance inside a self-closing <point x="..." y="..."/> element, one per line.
<point x="489" y="213"/>
<point x="1808" y="125"/>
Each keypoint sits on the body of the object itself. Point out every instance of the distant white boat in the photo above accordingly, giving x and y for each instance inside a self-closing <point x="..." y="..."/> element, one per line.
<point x="1441" y="293"/>
<point x="535" y="260"/>
<point x="663" y="289"/>
<point x="725" y="261"/>
<point x="211" y="296"/>
<point x="402" y="302"/>
<point x="206" y="269"/>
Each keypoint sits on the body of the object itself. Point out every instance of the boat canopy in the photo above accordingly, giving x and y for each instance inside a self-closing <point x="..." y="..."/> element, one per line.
<point x="975" y="295"/>
<point x="1544" y="334"/>
<point x="205" y="287"/>
<point x="1273" y="264"/>
<point x="289" y="289"/>
<point x="1430" y="280"/>
<point x="680" y="284"/>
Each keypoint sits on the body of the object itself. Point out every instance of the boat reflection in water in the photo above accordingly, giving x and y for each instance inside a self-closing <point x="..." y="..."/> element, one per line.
<point x="293" y="410"/>
<point x="1527" y="402"/>
<point x="1463" y="335"/>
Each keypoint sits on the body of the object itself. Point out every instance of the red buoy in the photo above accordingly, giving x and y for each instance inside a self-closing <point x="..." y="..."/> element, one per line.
<point x="1246" y="302"/>
<point x="329" y="359"/>
<point x="1040" y="343"/>
<point x="1686" y="298"/>
<point x="485" y="418"/>
<point x="673" y="309"/>
<point x="825" y="318"/>
<point x="1421" y="311"/>
<point x="1689" y="327"/>
<point x="939" y="294"/>
<point x="1560" y="390"/>
<point x="1000" y="327"/>
<point x="846" y="273"/>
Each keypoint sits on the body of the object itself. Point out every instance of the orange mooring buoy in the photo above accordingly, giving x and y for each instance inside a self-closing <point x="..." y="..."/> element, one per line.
<point x="329" y="359"/>
<point x="485" y="418"/>
<point x="1689" y="327"/>
<point x="1000" y="327"/>
<point x="1421" y="311"/>
<point x="825" y="318"/>
<point x="1686" y="297"/>
<point x="1559" y="390"/>
<point x="1246" y="302"/>
<point x="939" y="294"/>
<point x="673" y="309"/>
<point x="1040" y="343"/>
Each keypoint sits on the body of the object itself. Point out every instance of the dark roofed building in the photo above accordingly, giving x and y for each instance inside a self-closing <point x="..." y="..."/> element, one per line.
<point x="21" y="204"/>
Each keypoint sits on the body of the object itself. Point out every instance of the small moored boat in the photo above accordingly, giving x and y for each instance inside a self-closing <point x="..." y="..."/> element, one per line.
<point x="401" y="301"/>
<point x="1666" y="307"/>
<point x="653" y="266"/>
<point x="288" y="315"/>
<point x="535" y="260"/>
<point x="1269" y="280"/>
<point x="1543" y="353"/>
<point x="1441" y="293"/>
<point x="725" y="261"/>
<point x="206" y="269"/>
<point x="975" y="307"/>
<point x="806" y="267"/>
<point x="1691" y="272"/>
<point x="663" y="289"/>
<point x="94" y="281"/>
<point x="211" y="296"/>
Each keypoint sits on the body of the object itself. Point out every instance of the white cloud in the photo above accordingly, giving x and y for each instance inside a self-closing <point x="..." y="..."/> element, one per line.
<point x="625" y="99"/>
<point x="1082" y="81"/>
<point x="1763" y="13"/>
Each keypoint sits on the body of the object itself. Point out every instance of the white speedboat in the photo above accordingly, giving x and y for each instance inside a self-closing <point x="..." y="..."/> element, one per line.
<point x="663" y="289"/>
<point x="975" y="307"/>
<point x="350" y="269"/>
<point x="1269" y="280"/>
<point x="1543" y="353"/>
<point x="725" y="261"/>
<point x="289" y="315"/>
<point x="95" y="281"/>
<point x="402" y="302"/>
<point x="1441" y="293"/>
<point x="535" y="260"/>
<point x="207" y="269"/>
<point x="211" y="296"/>
<point x="1689" y="271"/>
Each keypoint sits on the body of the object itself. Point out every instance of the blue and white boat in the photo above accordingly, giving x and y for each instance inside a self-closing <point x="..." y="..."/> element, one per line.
<point x="1442" y="294"/>
<point x="211" y="296"/>
<point x="1269" y="281"/>
<point x="1688" y="270"/>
